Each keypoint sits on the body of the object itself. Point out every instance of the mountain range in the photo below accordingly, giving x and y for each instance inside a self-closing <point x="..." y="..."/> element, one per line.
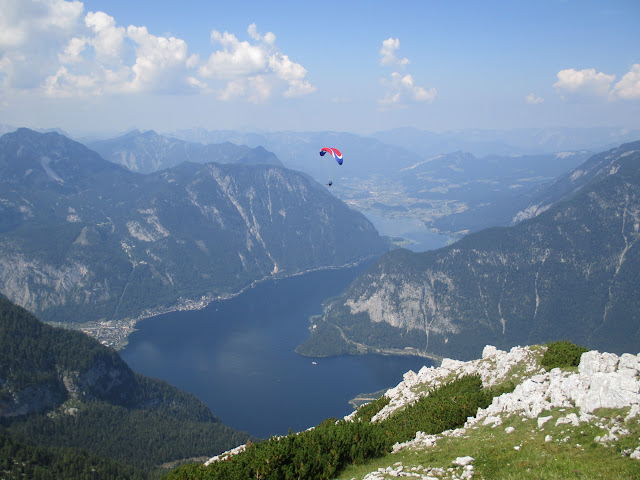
<point x="570" y="272"/>
<point x="441" y="180"/>
<point x="149" y="152"/>
<point x="424" y="143"/>
<point x="82" y="238"/>
<point x="449" y="186"/>
<point x="457" y="193"/>
<point x="508" y="142"/>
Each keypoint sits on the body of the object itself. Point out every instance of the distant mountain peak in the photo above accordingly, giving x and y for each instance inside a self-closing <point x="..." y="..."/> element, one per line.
<point x="148" y="152"/>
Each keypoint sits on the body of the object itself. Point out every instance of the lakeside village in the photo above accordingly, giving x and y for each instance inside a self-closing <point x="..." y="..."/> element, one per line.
<point x="115" y="333"/>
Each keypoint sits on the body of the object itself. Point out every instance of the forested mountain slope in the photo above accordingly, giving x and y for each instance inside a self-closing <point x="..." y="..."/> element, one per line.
<point x="61" y="388"/>
<point x="572" y="272"/>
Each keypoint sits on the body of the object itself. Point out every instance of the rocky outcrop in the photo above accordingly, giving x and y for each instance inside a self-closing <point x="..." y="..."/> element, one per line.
<point x="33" y="399"/>
<point x="568" y="398"/>
<point x="603" y="380"/>
<point x="101" y="382"/>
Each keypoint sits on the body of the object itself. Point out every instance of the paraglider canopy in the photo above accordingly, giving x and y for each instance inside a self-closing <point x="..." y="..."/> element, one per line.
<point x="334" y="152"/>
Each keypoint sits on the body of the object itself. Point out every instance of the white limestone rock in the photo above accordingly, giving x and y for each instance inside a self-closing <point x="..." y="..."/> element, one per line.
<point x="226" y="455"/>
<point x="489" y="351"/>
<point x="602" y="380"/>
<point x="571" y="419"/>
<point x="629" y="365"/>
<point x="608" y="390"/>
<point x="463" y="461"/>
<point x="596" y="362"/>
<point x="543" y="420"/>
<point x="634" y="411"/>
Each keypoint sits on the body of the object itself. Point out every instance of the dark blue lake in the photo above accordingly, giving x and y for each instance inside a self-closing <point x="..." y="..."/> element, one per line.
<point x="238" y="356"/>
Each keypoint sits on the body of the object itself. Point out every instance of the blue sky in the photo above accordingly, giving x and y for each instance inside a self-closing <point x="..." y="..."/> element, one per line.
<point x="356" y="66"/>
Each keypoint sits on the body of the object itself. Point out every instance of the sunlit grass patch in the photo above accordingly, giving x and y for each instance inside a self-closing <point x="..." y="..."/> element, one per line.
<point x="526" y="452"/>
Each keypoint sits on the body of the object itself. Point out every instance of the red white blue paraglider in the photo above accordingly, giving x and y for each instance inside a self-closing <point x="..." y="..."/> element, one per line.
<point x="335" y="153"/>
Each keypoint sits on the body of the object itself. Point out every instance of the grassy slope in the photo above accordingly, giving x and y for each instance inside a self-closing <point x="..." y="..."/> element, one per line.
<point x="572" y="452"/>
<point x="525" y="453"/>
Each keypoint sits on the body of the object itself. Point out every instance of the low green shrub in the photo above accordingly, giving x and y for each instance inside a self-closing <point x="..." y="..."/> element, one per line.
<point x="367" y="411"/>
<point x="322" y="452"/>
<point x="562" y="354"/>
<point x="445" y="408"/>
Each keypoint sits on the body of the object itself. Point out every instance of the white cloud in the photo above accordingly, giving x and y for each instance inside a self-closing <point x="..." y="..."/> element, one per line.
<point x="55" y="48"/>
<point x="109" y="39"/>
<point x="65" y="83"/>
<point x="586" y="81"/>
<point x="269" y="38"/>
<point x="52" y="47"/>
<point x="255" y="89"/>
<point x="161" y="62"/>
<point x="388" y="53"/>
<point x="254" y="69"/>
<point x="32" y="24"/>
<point x="629" y="86"/>
<point x="286" y="69"/>
<point x="292" y="73"/>
<point x="259" y="89"/>
<point x="299" y="88"/>
<point x="94" y="65"/>
<point x="93" y="62"/>
<point x="401" y="88"/>
<point x="590" y="82"/>
<point x="235" y="89"/>
<point x="235" y="59"/>
<point x="533" y="99"/>
<point x="32" y="33"/>
<point x="73" y="51"/>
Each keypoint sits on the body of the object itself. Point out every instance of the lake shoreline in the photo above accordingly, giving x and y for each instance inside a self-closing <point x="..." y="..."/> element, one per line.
<point x="115" y="333"/>
<point x="238" y="357"/>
